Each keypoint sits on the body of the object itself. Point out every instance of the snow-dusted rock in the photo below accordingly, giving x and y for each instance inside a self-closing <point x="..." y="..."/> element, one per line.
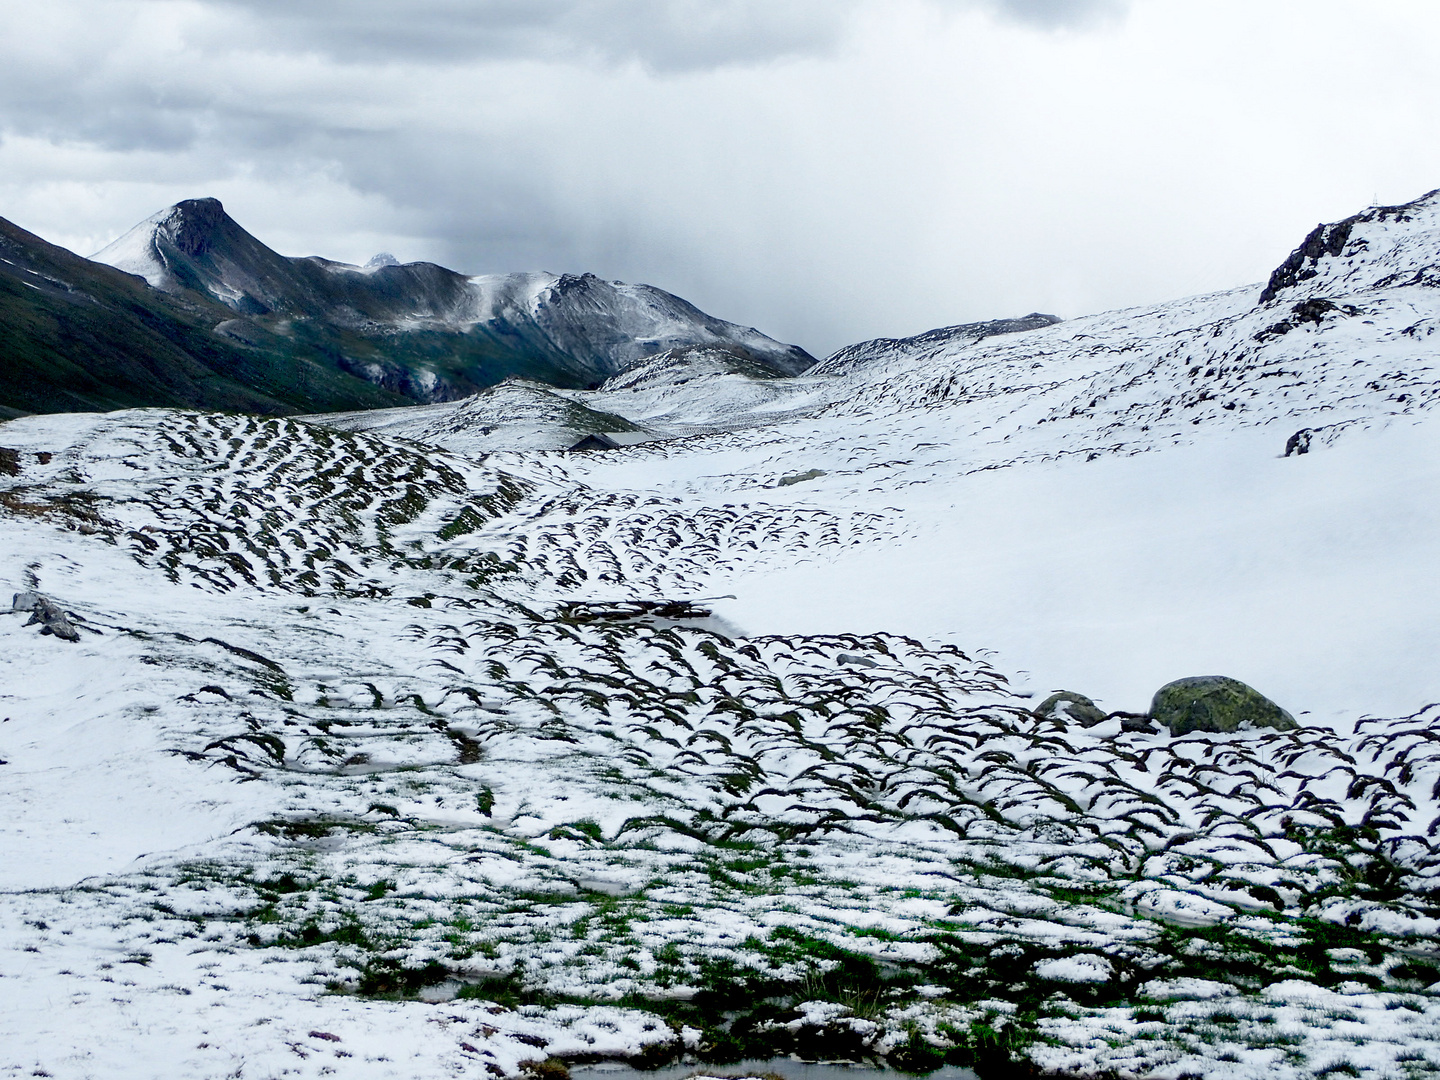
<point x="1216" y="703"/>
<point x="52" y="618"/>
<point x="1066" y="704"/>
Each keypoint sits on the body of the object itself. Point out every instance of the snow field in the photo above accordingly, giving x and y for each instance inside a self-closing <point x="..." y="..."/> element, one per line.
<point x="365" y="750"/>
<point x="447" y="791"/>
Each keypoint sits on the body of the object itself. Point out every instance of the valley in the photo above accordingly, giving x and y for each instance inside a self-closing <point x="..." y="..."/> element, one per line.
<point x="404" y="742"/>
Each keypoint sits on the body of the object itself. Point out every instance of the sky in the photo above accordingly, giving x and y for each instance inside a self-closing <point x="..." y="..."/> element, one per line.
<point x="825" y="170"/>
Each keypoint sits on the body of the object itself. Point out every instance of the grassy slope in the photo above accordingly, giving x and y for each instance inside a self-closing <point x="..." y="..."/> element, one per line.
<point x="79" y="336"/>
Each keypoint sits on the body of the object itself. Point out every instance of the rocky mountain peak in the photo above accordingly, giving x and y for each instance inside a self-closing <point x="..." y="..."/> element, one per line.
<point x="417" y="328"/>
<point x="193" y="224"/>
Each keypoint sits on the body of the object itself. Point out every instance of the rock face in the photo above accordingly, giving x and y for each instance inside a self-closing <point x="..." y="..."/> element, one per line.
<point x="1071" y="706"/>
<point x="1216" y="703"/>
<point x="1332" y="251"/>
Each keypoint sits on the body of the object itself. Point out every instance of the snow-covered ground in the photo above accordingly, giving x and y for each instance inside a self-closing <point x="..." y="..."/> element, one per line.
<point x="378" y="758"/>
<point x="1305" y="576"/>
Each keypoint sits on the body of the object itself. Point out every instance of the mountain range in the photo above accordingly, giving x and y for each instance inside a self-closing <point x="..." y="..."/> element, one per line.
<point x="219" y="320"/>
<point x="1339" y="331"/>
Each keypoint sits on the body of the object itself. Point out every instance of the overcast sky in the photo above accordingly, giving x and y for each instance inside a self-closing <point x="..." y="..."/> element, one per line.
<point x="825" y="170"/>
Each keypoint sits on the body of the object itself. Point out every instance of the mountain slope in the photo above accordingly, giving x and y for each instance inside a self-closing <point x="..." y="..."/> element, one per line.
<point x="421" y="329"/>
<point x="76" y="335"/>
<point x="1346" y="343"/>
<point x="869" y="352"/>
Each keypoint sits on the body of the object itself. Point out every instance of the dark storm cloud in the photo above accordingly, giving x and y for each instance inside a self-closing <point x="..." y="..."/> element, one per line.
<point x="824" y="169"/>
<point x="89" y="93"/>
<point x="664" y="35"/>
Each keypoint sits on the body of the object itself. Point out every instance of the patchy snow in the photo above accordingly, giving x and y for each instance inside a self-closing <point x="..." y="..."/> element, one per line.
<point x="421" y="748"/>
<point x="1076" y="968"/>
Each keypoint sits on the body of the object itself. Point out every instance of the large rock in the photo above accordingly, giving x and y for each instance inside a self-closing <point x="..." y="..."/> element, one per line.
<point x="53" y="619"/>
<point x="1067" y="705"/>
<point x="1216" y="703"/>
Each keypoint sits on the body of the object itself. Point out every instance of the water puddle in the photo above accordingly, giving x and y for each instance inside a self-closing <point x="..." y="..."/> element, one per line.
<point x="789" y="1068"/>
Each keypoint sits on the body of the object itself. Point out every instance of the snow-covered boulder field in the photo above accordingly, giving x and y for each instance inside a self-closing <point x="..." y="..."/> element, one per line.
<point x="378" y="758"/>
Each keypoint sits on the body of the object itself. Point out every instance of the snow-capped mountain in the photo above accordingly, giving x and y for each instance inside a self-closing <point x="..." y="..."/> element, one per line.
<point x="1337" y="337"/>
<point x="79" y="335"/>
<point x="416" y="750"/>
<point x="418" y="328"/>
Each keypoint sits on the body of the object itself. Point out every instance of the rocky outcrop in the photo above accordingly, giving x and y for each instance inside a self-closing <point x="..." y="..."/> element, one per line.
<point x="1300" y="265"/>
<point x="1329" y="242"/>
<point x="1216" y="703"/>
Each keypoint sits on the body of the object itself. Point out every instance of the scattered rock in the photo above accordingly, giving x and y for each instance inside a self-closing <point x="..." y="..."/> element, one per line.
<point x="1130" y="721"/>
<point x="45" y="611"/>
<point x="1299" y="443"/>
<point x="1313" y="310"/>
<point x="9" y="461"/>
<point x="1066" y="705"/>
<point x="800" y="478"/>
<point x="1216" y="703"/>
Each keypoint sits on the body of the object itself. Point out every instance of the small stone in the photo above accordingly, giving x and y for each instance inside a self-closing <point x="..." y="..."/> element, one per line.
<point x="1066" y="705"/>
<point x="1216" y="703"/>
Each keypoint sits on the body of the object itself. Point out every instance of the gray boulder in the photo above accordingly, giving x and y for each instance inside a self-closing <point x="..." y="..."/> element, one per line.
<point x="51" y="617"/>
<point x="1065" y="705"/>
<point x="1216" y="703"/>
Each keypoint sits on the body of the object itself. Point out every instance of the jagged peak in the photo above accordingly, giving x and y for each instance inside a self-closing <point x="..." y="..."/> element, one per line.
<point x="191" y="224"/>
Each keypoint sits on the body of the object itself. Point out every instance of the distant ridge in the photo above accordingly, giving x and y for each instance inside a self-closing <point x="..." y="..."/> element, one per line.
<point x="419" y="329"/>
<point x="863" y="352"/>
